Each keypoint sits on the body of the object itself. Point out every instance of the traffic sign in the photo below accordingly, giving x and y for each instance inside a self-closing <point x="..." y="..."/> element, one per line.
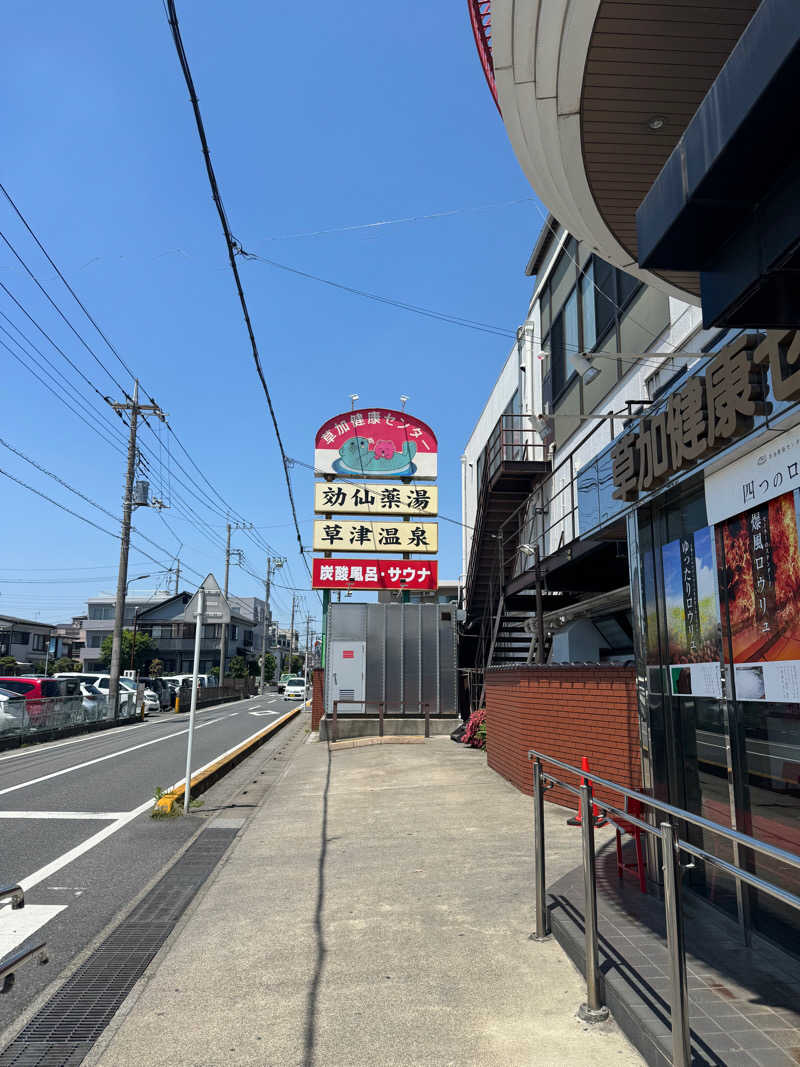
<point x="217" y="608"/>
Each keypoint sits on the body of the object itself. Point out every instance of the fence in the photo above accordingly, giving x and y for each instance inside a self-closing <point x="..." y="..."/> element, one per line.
<point x="424" y="709"/>
<point x="672" y="845"/>
<point x="207" y="696"/>
<point x="25" y="721"/>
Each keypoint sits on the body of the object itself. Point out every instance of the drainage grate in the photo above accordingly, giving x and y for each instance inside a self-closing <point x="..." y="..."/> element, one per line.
<point x="64" y="1030"/>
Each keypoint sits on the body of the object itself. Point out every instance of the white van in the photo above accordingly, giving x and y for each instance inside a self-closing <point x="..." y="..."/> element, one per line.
<point x="204" y="681"/>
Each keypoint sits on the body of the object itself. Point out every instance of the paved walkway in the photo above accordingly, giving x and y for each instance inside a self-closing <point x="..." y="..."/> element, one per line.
<point x="375" y="910"/>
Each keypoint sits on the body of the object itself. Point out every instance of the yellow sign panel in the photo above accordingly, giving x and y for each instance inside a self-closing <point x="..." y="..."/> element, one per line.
<point x="354" y="535"/>
<point x="344" y="498"/>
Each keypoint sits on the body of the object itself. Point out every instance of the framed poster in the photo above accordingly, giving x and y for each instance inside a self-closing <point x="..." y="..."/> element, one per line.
<point x="693" y="620"/>
<point x="761" y="580"/>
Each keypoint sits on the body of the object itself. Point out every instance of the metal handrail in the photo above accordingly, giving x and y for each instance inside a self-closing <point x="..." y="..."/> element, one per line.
<point x="381" y="706"/>
<point x="15" y="894"/>
<point x="669" y="809"/>
<point x="11" y="963"/>
<point x="672" y="846"/>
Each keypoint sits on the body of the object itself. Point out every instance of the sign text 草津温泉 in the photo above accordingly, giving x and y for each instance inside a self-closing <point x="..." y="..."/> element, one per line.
<point x="349" y="498"/>
<point x="381" y="574"/>
<point x="366" y="535"/>
<point x="708" y="412"/>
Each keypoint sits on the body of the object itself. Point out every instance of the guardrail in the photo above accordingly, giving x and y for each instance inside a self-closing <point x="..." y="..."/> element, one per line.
<point x="41" y="718"/>
<point x="671" y="848"/>
<point x="381" y="706"/>
<point x="11" y="963"/>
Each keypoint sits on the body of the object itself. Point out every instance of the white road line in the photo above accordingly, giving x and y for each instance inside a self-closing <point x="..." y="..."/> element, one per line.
<point x="18" y="925"/>
<point x="96" y="839"/>
<point x="100" y="759"/>
<point x="103" y="816"/>
<point x="98" y="735"/>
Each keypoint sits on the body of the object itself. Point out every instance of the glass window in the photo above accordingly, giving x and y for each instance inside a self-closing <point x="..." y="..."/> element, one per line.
<point x="39" y="643"/>
<point x="587" y="308"/>
<point x="20" y="637"/>
<point x="561" y="281"/>
<point x="604" y="297"/>
<point x="101" y="611"/>
<point x="628" y="287"/>
<point x="558" y="368"/>
<point x="544" y="308"/>
<point x="571" y="335"/>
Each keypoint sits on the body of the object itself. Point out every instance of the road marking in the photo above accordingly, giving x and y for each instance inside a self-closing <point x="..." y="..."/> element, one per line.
<point x="96" y="839"/>
<point x="263" y="714"/>
<point x="98" y="735"/>
<point x="18" y="925"/>
<point x="107" y="816"/>
<point x="100" y="759"/>
<point x="101" y="735"/>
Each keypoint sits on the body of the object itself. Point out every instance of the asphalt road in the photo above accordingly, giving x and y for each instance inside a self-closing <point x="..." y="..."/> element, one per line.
<point x="76" y="832"/>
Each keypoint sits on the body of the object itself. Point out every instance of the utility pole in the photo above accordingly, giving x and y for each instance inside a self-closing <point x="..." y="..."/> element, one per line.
<point x="224" y="634"/>
<point x="177" y="575"/>
<point x="272" y="564"/>
<point x="135" y="409"/>
<point x="305" y="662"/>
<point x="291" y="633"/>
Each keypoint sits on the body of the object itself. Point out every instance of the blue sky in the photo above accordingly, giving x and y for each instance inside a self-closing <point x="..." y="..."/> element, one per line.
<point x="318" y="117"/>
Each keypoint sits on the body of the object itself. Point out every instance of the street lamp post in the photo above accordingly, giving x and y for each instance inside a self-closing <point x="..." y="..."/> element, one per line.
<point x="135" y="614"/>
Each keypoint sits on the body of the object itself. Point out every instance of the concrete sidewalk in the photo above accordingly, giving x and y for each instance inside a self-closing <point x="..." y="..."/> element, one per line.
<point x="375" y="910"/>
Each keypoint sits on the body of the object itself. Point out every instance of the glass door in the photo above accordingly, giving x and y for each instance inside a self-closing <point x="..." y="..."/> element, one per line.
<point x="690" y="760"/>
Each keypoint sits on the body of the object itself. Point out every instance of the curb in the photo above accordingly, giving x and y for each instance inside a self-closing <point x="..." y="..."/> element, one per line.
<point x="363" y="742"/>
<point x="212" y="772"/>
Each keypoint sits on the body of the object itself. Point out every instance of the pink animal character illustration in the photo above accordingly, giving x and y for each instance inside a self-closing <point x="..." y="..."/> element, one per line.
<point x="383" y="449"/>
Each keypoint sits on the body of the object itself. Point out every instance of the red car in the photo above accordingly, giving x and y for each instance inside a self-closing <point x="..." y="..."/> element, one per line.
<point x="50" y="702"/>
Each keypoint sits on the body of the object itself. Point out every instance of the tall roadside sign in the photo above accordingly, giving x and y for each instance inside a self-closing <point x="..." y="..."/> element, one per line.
<point x="376" y="498"/>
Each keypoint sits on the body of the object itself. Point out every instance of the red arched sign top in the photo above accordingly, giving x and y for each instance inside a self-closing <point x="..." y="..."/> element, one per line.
<point x="376" y="443"/>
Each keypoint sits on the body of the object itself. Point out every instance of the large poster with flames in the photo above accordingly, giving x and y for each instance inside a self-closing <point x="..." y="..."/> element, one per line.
<point x="760" y="580"/>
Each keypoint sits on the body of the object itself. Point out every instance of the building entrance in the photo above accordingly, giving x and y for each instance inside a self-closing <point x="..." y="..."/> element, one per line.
<point x="719" y="657"/>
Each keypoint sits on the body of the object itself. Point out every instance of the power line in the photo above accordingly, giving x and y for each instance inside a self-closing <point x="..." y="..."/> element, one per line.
<point x="234" y="249"/>
<point x="113" y="350"/>
<point x="397" y="222"/>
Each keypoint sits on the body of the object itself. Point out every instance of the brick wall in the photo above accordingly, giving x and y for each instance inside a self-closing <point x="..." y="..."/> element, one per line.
<point x="567" y="712"/>
<point x="317" y="697"/>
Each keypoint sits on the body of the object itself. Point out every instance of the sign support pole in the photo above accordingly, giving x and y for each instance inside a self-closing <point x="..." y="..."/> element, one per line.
<point x="326" y="599"/>
<point x="198" y="630"/>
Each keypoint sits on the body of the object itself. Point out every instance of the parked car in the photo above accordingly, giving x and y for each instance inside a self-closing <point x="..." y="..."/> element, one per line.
<point x="203" y="680"/>
<point x="284" y="678"/>
<point x="162" y="690"/>
<point x="13" y="714"/>
<point x="49" y="701"/>
<point x="95" y="702"/>
<point x="295" y="689"/>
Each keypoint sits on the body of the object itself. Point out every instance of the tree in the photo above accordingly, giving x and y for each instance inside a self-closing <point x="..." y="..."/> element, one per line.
<point x="144" y="650"/>
<point x="64" y="664"/>
<point x="269" y="667"/>
<point x="39" y="667"/>
<point x="297" y="664"/>
<point x="156" y="668"/>
<point x="238" y="667"/>
<point x="214" y="672"/>
<point x="8" y="666"/>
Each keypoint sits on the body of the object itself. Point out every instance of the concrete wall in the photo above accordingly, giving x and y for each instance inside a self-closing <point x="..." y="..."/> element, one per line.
<point x="567" y="712"/>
